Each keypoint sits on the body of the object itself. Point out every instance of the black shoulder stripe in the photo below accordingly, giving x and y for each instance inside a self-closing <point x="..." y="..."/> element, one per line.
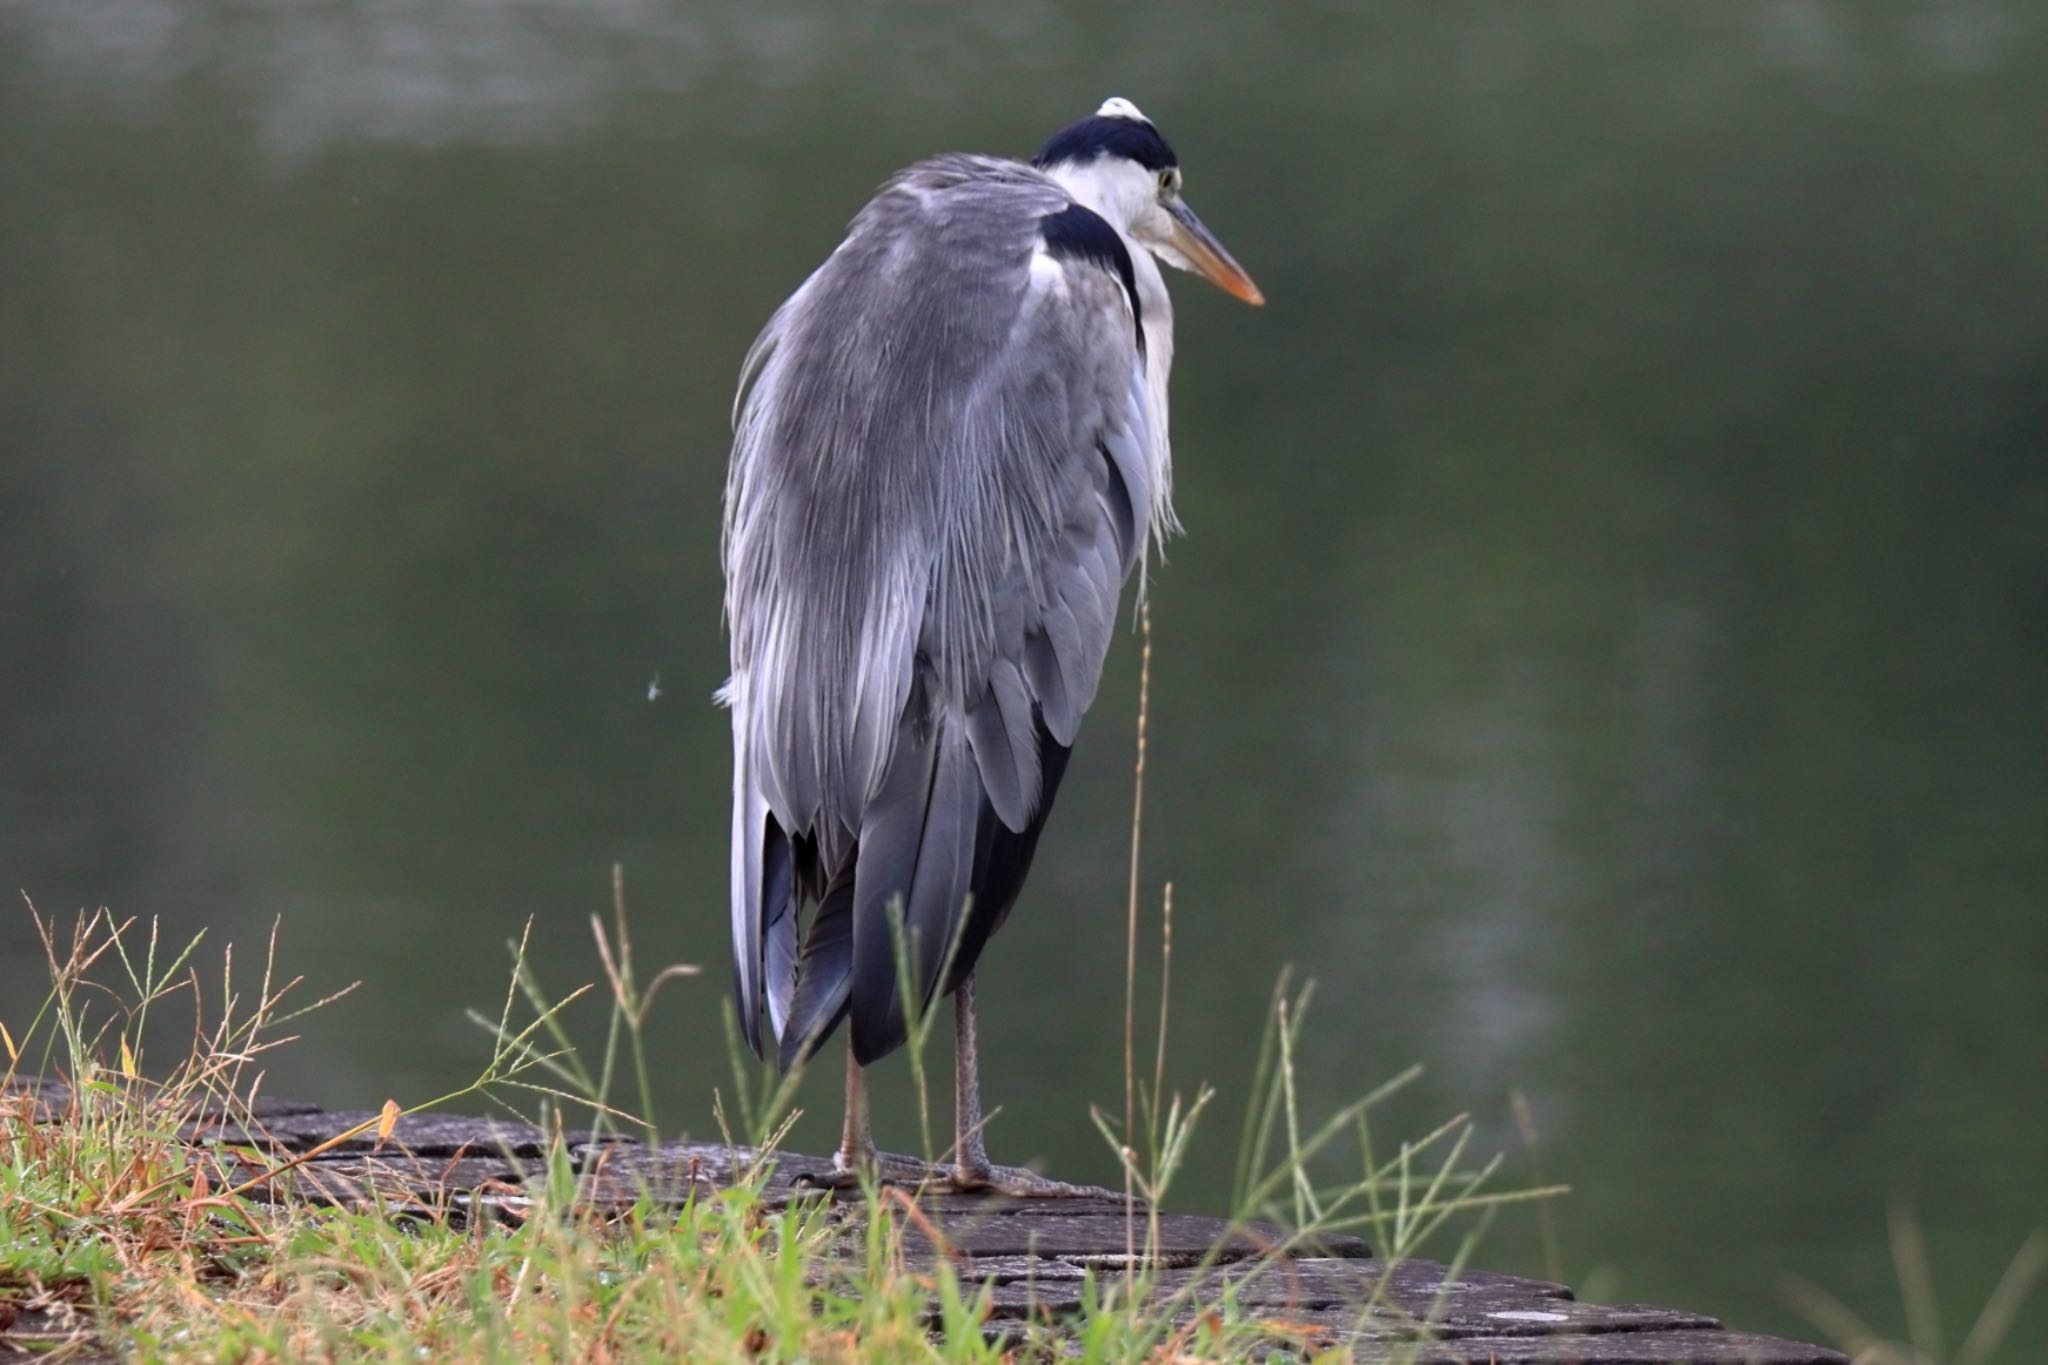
<point x="1079" y="233"/>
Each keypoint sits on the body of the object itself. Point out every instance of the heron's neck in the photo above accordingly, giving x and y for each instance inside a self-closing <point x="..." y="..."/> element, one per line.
<point x="1119" y="192"/>
<point x="1158" y="325"/>
<point x="1108" y="186"/>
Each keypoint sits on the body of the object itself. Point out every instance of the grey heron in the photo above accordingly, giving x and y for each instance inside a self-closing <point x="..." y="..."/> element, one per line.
<point x="949" y="456"/>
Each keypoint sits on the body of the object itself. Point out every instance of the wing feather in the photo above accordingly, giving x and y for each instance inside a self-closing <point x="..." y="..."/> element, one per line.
<point x="764" y="889"/>
<point x="749" y="819"/>
<point x="822" y="979"/>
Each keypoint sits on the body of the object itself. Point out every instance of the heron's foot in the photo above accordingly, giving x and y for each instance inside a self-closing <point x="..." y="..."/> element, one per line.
<point x="885" y="1168"/>
<point x="980" y="1177"/>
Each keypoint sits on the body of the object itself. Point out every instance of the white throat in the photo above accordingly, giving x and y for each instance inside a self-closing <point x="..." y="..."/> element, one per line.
<point x="1117" y="189"/>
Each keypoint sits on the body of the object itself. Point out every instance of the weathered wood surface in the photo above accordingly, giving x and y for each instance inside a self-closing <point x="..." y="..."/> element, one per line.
<point x="1036" y="1255"/>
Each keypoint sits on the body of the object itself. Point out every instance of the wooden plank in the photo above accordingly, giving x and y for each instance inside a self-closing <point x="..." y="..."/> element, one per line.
<point x="440" y="1135"/>
<point x="52" y="1098"/>
<point x="35" y="1334"/>
<point x="387" y="1178"/>
<point x="679" y="1165"/>
<point x="1038" y="1255"/>
<point x="1603" y="1348"/>
<point x="1103" y="1239"/>
<point x="1409" y="1291"/>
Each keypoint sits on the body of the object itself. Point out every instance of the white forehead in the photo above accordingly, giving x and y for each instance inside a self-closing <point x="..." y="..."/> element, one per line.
<point x="1116" y="106"/>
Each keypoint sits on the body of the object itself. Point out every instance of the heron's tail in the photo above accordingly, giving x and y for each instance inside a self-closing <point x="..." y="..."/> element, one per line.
<point x="917" y="850"/>
<point x="823" y="976"/>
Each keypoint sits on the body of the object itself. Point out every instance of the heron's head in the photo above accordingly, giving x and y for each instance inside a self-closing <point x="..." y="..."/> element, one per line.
<point x="1116" y="163"/>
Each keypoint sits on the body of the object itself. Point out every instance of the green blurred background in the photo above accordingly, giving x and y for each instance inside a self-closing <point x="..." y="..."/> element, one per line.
<point x="1608" y="652"/>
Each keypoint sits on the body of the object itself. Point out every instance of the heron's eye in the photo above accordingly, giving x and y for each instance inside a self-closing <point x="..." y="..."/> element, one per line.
<point x="1169" y="181"/>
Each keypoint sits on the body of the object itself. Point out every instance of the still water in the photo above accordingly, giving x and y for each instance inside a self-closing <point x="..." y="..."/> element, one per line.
<point x="1608" y="651"/>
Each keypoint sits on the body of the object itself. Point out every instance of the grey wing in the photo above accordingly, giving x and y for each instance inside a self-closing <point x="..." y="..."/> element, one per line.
<point x="940" y="483"/>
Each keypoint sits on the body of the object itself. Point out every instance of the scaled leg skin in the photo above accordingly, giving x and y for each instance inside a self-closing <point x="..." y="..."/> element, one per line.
<point x="971" y="1168"/>
<point x="857" y="1134"/>
<point x="857" y="1151"/>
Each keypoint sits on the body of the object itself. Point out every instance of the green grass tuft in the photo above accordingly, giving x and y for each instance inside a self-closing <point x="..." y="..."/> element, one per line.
<point x="120" y="1233"/>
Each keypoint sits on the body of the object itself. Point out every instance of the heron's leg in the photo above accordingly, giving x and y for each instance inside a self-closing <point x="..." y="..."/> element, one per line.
<point x="971" y="1168"/>
<point x="857" y="1135"/>
<point x="857" y="1152"/>
<point x="970" y="1154"/>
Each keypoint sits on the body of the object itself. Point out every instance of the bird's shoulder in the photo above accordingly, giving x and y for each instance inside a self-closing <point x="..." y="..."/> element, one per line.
<point x="956" y="183"/>
<point x="967" y="275"/>
<point x="959" y="215"/>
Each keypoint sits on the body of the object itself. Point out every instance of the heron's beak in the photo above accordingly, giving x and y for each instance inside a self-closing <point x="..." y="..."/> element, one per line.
<point x="1206" y="256"/>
